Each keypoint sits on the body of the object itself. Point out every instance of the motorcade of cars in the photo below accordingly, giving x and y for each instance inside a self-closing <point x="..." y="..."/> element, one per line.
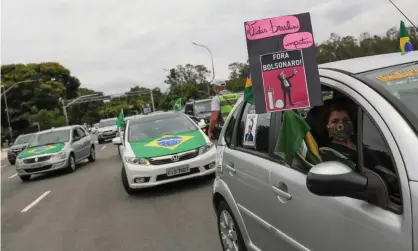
<point x="107" y="130"/>
<point x="163" y="147"/>
<point x="53" y="149"/>
<point x="363" y="198"/>
<point x="18" y="146"/>
<point x="198" y="110"/>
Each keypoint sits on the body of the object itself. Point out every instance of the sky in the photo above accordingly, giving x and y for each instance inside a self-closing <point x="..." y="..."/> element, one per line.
<point x="112" y="45"/>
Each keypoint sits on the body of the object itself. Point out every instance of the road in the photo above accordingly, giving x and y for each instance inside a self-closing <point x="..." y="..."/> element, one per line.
<point x="89" y="210"/>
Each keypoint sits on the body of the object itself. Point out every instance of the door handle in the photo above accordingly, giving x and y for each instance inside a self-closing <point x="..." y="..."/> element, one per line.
<point x="283" y="194"/>
<point x="230" y="168"/>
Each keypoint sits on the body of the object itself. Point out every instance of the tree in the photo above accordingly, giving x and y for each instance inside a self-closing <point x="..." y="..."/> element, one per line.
<point x="48" y="118"/>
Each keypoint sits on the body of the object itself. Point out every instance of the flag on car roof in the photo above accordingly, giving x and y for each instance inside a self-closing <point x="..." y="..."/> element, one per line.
<point x="248" y="91"/>
<point x="120" y="122"/>
<point x="177" y="105"/>
<point x="295" y="138"/>
<point x="405" y="44"/>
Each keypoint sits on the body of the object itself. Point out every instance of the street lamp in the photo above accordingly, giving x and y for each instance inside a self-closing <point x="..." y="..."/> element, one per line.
<point x="64" y="107"/>
<point x="213" y="66"/>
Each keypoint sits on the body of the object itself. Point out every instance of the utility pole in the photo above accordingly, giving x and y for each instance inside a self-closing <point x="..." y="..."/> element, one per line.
<point x="64" y="107"/>
<point x="8" y="117"/>
<point x="152" y="101"/>
<point x="213" y="65"/>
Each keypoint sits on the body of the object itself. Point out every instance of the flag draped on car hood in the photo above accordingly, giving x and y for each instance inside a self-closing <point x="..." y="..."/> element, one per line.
<point x="168" y="144"/>
<point x="38" y="150"/>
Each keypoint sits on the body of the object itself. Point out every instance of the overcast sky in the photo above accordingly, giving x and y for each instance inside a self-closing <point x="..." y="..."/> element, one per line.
<point x="111" y="45"/>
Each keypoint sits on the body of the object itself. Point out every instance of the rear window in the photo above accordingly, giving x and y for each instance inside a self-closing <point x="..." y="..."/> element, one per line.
<point x="142" y="130"/>
<point x="401" y="82"/>
<point x="202" y="107"/>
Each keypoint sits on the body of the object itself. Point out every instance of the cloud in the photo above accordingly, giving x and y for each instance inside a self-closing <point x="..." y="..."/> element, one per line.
<point x="111" y="45"/>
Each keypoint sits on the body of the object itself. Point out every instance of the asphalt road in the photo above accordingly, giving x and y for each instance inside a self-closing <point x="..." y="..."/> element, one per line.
<point x="89" y="210"/>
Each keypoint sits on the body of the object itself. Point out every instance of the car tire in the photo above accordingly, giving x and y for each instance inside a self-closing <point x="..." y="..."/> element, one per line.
<point x="125" y="183"/>
<point x="234" y="236"/>
<point x="24" y="178"/>
<point x="100" y="142"/>
<point x="71" y="164"/>
<point x="92" y="157"/>
<point x="12" y="162"/>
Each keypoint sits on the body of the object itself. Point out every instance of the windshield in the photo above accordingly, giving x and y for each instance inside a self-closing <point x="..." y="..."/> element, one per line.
<point x="23" y="139"/>
<point x="50" y="138"/>
<point x="153" y="128"/>
<point x="399" y="81"/>
<point x="106" y="123"/>
<point x="202" y="107"/>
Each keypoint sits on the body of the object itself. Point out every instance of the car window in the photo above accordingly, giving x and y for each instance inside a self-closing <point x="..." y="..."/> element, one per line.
<point x="106" y="123"/>
<point x="253" y="129"/>
<point x="189" y="109"/>
<point x="230" y="127"/>
<point x="75" y="133"/>
<point x="81" y="132"/>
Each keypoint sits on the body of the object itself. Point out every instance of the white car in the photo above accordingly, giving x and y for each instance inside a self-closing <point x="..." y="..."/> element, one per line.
<point x="161" y="148"/>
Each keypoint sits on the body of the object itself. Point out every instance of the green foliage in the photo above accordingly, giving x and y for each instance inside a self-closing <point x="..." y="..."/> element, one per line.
<point x="39" y="101"/>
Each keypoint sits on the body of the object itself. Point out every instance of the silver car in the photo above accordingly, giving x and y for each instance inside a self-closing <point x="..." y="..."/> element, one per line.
<point x="107" y="130"/>
<point x="58" y="148"/>
<point x="272" y="195"/>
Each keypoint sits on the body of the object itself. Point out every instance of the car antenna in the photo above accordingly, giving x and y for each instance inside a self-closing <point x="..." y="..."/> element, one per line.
<point x="403" y="14"/>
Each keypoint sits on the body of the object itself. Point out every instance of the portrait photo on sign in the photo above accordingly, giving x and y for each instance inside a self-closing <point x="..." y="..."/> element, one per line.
<point x="250" y="130"/>
<point x="284" y="81"/>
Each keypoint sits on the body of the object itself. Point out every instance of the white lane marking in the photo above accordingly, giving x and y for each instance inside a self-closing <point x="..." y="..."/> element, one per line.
<point x="14" y="175"/>
<point x="103" y="147"/>
<point x="35" y="201"/>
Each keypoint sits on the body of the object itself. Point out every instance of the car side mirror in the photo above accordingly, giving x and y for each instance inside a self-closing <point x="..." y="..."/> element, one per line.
<point x="202" y="124"/>
<point x="117" y="141"/>
<point x="334" y="178"/>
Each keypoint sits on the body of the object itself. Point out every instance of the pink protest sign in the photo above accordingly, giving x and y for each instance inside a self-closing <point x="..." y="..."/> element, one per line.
<point x="271" y="27"/>
<point x="283" y="63"/>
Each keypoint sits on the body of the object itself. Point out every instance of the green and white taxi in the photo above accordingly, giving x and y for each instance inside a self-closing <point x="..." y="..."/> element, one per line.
<point x="57" y="148"/>
<point x="163" y="147"/>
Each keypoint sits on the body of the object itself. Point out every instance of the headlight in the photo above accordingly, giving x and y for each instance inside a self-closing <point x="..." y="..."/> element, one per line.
<point x="59" y="155"/>
<point x="137" y="161"/>
<point x="205" y="148"/>
<point x="19" y="161"/>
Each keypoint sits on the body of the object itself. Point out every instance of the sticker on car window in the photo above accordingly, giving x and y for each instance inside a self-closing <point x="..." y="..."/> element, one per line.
<point x="250" y="132"/>
<point x="398" y="75"/>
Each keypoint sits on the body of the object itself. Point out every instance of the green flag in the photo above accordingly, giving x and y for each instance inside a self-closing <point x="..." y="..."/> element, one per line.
<point x="177" y="105"/>
<point x="248" y="91"/>
<point x="120" y="121"/>
<point x="293" y="135"/>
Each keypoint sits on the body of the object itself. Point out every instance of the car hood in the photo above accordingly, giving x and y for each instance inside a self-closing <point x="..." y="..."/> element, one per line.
<point x="107" y="128"/>
<point x="167" y="144"/>
<point x="18" y="146"/>
<point x="205" y="116"/>
<point x="41" y="150"/>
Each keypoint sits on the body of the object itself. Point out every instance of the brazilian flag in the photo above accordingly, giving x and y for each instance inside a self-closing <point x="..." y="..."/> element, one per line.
<point x="120" y="121"/>
<point x="177" y="105"/>
<point x="405" y="44"/>
<point x="248" y="91"/>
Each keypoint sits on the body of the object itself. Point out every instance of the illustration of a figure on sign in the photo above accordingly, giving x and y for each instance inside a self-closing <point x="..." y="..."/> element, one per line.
<point x="284" y="80"/>
<point x="286" y="85"/>
<point x="250" y="127"/>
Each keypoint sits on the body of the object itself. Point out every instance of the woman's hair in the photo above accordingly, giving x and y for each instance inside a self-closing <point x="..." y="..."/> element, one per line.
<point x="339" y="107"/>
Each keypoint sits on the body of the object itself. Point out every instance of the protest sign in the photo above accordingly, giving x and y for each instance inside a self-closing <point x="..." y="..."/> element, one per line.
<point x="283" y="65"/>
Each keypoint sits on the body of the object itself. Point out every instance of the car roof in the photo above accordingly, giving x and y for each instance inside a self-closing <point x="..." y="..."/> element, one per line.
<point x="27" y="134"/>
<point x="203" y="100"/>
<point x="157" y="116"/>
<point x="62" y="128"/>
<point x="369" y="63"/>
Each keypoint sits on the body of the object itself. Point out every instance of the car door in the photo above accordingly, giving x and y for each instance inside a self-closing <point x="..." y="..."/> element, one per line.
<point x="76" y="144"/>
<point x="247" y="168"/>
<point x="85" y="142"/>
<point x="309" y="222"/>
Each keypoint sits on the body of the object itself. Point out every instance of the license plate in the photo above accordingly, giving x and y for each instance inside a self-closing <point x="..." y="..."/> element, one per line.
<point x="177" y="170"/>
<point x="37" y="165"/>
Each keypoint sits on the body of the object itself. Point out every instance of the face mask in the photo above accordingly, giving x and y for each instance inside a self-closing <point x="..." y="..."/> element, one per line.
<point x="341" y="131"/>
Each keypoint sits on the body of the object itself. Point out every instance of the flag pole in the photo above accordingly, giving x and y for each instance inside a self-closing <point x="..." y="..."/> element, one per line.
<point x="403" y="14"/>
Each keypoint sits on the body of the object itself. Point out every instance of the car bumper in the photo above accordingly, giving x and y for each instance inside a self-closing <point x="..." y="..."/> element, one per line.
<point x="106" y="136"/>
<point x="155" y="175"/>
<point x="41" y="167"/>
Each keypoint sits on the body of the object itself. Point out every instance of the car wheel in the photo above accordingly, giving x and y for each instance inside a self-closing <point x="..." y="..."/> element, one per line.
<point x="71" y="164"/>
<point x="12" y="162"/>
<point x="92" y="157"/>
<point x="228" y="229"/>
<point x="24" y="178"/>
<point x="125" y="183"/>
<point x="100" y="142"/>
